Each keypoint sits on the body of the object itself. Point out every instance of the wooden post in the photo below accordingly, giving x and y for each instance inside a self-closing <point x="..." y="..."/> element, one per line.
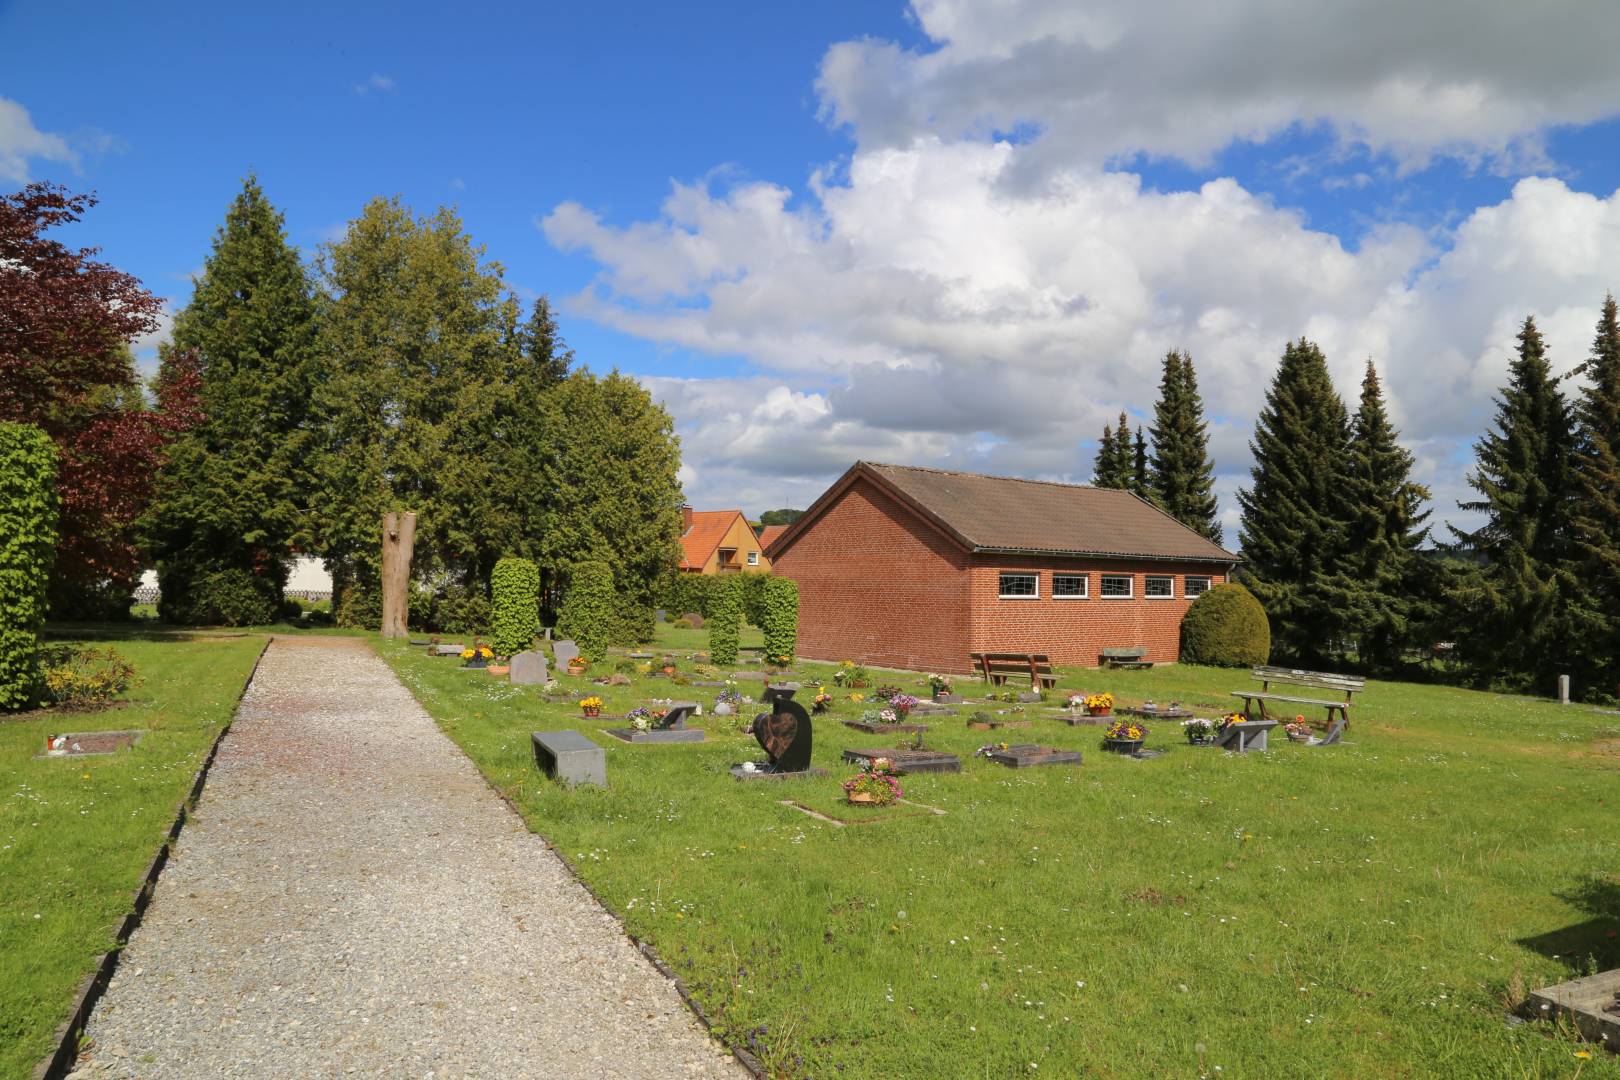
<point x="399" y="539"/>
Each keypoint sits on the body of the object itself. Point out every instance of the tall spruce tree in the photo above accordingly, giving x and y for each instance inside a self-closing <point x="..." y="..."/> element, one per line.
<point x="1181" y="475"/>
<point x="1597" y="483"/>
<point x="1525" y="622"/>
<point x="1293" y="513"/>
<point x="1379" y="591"/>
<point x="1139" y="466"/>
<point x="1105" y="469"/>
<point x="548" y="357"/>
<point x="234" y="493"/>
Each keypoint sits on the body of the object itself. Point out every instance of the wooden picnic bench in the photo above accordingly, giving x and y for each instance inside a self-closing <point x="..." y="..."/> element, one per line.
<point x="1345" y="685"/>
<point x="997" y="668"/>
<point x="1120" y="657"/>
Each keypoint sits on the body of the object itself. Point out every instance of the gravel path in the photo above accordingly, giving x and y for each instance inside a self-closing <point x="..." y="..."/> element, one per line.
<point x="352" y="899"/>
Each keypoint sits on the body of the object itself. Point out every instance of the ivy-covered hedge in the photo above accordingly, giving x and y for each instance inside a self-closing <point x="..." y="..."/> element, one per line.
<point x="589" y="614"/>
<point x="1226" y="627"/>
<point x="725" y="611"/>
<point x="28" y="521"/>
<point x="751" y="591"/>
<point x="515" y="601"/>
<point x="779" y="616"/>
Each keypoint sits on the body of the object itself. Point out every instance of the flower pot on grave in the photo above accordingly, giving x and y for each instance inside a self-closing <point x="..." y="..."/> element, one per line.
<point x="477" y="662"/>
<point x="499" y="669"/>
<point x="575" y="669"/>
<point x="1298" y="738"/>
<point x="1104" y="710"/>
<point x="1122" y="746"/>
<point x="863" y="797"/>
<point x="592" y="710"/>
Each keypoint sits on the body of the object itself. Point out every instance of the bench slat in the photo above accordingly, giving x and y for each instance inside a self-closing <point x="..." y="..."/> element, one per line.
<point x="1256" y="695"/>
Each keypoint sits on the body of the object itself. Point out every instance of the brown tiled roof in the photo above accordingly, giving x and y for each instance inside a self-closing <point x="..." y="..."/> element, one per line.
<point x="769" y="533"/>
<point x="1008" y="515"/>
<point x="708" y="529"/>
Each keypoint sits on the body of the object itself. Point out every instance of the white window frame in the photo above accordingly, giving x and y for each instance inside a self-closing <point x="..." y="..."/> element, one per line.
<point x="1186" y="587"/>
<point x="1085" y="587"/>
<point x="1171" y="578"/>
<point x="1000" y="584"/>
<point x="1130" y="582"/>
<point x="753" y="558"/>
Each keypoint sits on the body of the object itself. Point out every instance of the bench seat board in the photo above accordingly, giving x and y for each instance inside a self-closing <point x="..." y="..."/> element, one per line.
<point x="1260" y="695"/>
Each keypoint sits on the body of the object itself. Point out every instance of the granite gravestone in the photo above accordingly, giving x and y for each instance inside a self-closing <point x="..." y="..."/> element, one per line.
<point x="785" y="735"/>
<point x="565" y="650"/>
<point x="529" y="669"/>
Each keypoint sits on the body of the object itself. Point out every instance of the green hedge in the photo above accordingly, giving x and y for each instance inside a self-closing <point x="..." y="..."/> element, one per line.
<point x="358" y="607"/>
<point x="217" y="596"/>
<point x="1226" y="627"/>
<point x="589" y="614"/>
<point x="28" y="520"/>
<point x="515" y="606"/>
<point x="725" y="610"/>
<point x="751" y="593"/>
<point x="779" y="616"/>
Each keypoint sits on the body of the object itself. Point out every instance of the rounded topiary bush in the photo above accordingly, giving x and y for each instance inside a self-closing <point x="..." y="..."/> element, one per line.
<point x="589" y="612"/>
<point x="515" y="589"/>
<point x="1226" y="627"/>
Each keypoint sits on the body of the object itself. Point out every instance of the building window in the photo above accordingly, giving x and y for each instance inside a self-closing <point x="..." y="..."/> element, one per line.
<point x="753" y="558"/>
<point x="1020" y="586"/>
<point x="1070" y="586"/>
<point x="1117" y="586"/>
<point x="1196" y="586"/>
<point x="1156" y="587"/>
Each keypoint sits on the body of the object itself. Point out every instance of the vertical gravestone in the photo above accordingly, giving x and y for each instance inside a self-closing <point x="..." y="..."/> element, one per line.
<point x="529" y="669"/>
<point x="785" y="735"/>
<point x="564" y="650"/>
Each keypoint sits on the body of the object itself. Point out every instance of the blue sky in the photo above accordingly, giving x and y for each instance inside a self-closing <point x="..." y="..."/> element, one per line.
<point x="953" y="234"/>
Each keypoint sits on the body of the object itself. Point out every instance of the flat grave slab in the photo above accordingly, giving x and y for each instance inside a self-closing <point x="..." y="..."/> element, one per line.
<point x="759" y="772"/>
<point x="916" y="809"/>
<point x="885" y="729"/>
<point x="708" y="682"/>
<point x="444" y="650"/>
<point x="999" y="722"/>
<point x="1592" y="1003"/>
<point x="909" y="761"/>
<point x="950" y="699"/>
<point x="748" y="676"/>
<point x="1081" y="719"/>
<point x="1025" y="755"/>
<point x="928" y="708"/>
<point x="668" y="735"/>
<point x="90" y="743"/>
<point x="1160" y="713"/>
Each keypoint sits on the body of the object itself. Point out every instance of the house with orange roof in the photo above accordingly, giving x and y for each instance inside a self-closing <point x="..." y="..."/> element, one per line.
<point x="769" y="533"/>
<point x="720" y="542"/>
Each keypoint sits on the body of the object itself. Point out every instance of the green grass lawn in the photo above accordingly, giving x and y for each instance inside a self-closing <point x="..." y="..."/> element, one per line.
<point x="77" y="834"/>
<point x="1366" y="910"/>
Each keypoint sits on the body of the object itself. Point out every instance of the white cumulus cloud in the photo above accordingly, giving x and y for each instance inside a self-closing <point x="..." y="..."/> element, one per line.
<point x="22" y="142"/>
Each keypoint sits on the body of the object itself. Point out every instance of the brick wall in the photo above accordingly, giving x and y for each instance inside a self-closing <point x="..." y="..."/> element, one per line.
<point x="878" y="586"/>
<point x="1075" y="631"/>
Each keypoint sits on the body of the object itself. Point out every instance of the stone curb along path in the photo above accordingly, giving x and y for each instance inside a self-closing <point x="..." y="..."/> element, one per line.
<point x="351" y="898"/>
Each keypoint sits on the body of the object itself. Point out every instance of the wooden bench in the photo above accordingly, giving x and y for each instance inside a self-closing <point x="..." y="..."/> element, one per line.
<point x="997" y="668"/>
<point x="1118" y="657"/>
<point x="570" y="757"/>
<point x="1338" y="707"/>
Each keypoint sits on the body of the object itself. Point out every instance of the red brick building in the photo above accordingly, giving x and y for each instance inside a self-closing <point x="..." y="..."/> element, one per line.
<point x="917" y="568"/>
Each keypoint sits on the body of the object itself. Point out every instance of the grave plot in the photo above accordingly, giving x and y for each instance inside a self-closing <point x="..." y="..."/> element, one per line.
<point x="89" y="743"/>
<point x="1027" y="755"/>
<point x="907" y="760"/>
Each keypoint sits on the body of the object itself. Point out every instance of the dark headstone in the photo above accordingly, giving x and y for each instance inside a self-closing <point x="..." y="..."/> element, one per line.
<point x="564" y="650"/>
<point x="785" y="735"/>
<point x="1024" y="755"/>
<point x="778" y="691"/>
<point x="529" y="669"/>
<point x="909" y="761"/>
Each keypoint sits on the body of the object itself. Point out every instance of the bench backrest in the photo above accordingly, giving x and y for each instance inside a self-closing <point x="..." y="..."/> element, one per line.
<point x="1321" y="680"/>
<point x="675" y="718"/>
<point x="1120" y="653"/>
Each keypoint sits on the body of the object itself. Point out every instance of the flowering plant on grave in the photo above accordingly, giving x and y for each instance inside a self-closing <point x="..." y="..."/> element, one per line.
<point x="857" y="698"/>
<point x="939" y="684"/>
<point x="1126" y="729"/>
<point x="1199" y="728"/>
<point x="886" y="692"/>
<point x="592" y="702"/>
<point x="1231" y="718"/>
<point x="902" y="704"/>
<point x="1298" y="729"/>
<point x="1076" y="702"/>
<point x="990" y="748"/>
<point x="875" y="783"/>
<point x="822" y="701"/>
<point x="1099" y="701"/>
<point x="851" y="674"/>
<point x="888" y="716"/>
<point x="730" y="695"/>
<point x="641" y="718"/>
<point x="479" y="650"/>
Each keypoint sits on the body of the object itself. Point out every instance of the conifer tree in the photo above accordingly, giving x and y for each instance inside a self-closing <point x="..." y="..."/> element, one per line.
<point x="547" y="356"/>
<point x="234" y="492"/>
<point x="1139" y="467"/>
<point x="1181" y="475"/>
<point x="1378" y="592"/>
<point x="1524" y="623"/>
<point x="1597" y="482"/>
<point x="1293" y="515"/>
<point x="1105" y="471"/>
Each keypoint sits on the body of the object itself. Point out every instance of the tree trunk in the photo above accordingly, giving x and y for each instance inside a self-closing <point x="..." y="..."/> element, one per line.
<point x="399" y="538"/>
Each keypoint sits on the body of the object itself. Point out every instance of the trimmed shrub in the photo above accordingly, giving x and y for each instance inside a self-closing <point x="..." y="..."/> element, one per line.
<point x="1226" y="627"/>
<point x="589" y="614"/>
<point x="751" y="594"/>
<point x="28" y="519"/>
<point x="229" y="597"/>
<point x="779" y="617"/>
<point x="359" y="607"/>
<point x="514" y="586"/>
<point x="725" y="611"/>
<point x="634" y="625"/>
<point x="460" y="611"/>
<point x="682" y="624"/>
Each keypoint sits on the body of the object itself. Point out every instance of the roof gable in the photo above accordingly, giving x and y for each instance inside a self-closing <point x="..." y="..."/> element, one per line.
<point x="708" y="529"/>
<point x="1014" y="516"/>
